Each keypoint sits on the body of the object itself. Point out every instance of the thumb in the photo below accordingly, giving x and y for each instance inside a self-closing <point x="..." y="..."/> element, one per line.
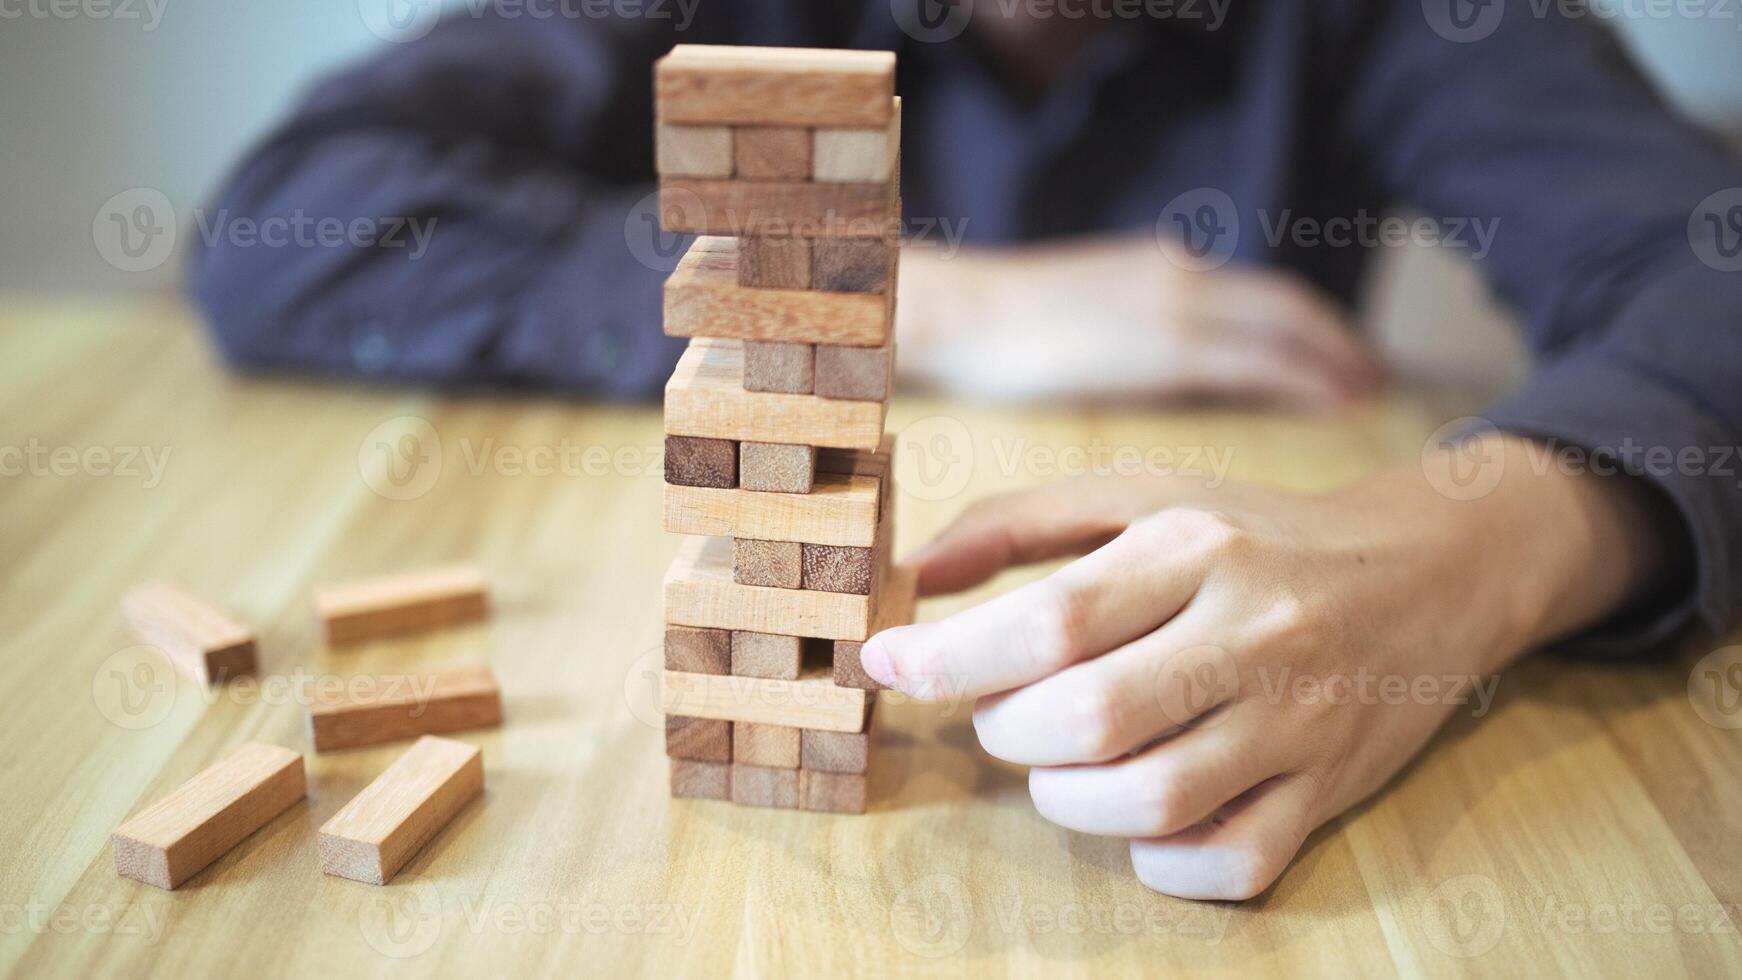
<point x="1021" y="528"/>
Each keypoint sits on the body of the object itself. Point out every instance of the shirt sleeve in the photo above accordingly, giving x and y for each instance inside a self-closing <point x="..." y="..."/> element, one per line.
<point x="1617" y="236"/>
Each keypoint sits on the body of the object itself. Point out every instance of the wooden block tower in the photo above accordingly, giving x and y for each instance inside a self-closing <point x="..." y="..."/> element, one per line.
<point x="785" y="162"/>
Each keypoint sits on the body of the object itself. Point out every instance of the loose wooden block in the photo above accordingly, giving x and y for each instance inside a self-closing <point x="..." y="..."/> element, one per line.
<point x="703" y="298"/>
<point x="699" y="591"/>
<point x="832" y="792"/>
<point x="835" y="751"/>
<point x="693" y="780"/>
<point x="775" y="746"/>
<point x="861" y="373"/>
<point x="764" y="786"/>
<point x="851" y="265"/>
<point x="800" y="209"/>
<point x="199" y="639"/>
<point x="772" y="152"/>
<point x="777" y="467"/>
<point x="812" y="701"/>
<point x="394" y="707"/>
<point x="787" y="368"/>
<point x="376" y="833"/>
<point x="840" y="509"/>
<point x="389" y="604"/>
<point x="698" y="651"/>
<point x="830" y="568"/>
<point x="775" y="263"/>
<point x="774" y="86"/>
<point x="768" y="655"/>
<point x="169" y="841"/>
<point x="706" y="398"/>
<point x="771" y="564"/>
<point x="866" y="154"/>
<point x="702" y="739"/>
<point x="693" y="462"/>
<point x="693" y="151"/>
<point x="895" y="601"/>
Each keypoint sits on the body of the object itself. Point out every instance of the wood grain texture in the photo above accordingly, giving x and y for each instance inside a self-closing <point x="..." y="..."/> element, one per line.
<point x="171" y="840"/>
<point x="838" y="510"/>
<point x="786" y="368"/>
<point x="849" y="265"/>
<point x="775" y="263"/>
<point x="766" y="655"/>
<point x="770" y="564"/>
<point x="832" y="792"/>
<point x="705" y="397"/>
<point x="837" y="751"/>
<point x="402" y="602"/>
<point x="394" y="707"/>
<point x="831" y="568"/>
<point x="800" y="209"/>
<point x="200" y="640"/>
<point x="771" y="152"/>
<point x="812" y="701"/>
<point x="764" y="786"/>
<point x="865" y="154"/>
<point x="699" y="591"/>
<point x="861" y="373"/>
<point x="774" y="86"/>
<point x="756" y="744"/>
<point x="698" y="651"/>
<point x="895" y="604"/>
<point x="777" y="467"/>
<point x="693" y="780"/>
<point x="693" y="151"/>
<point x="385" y="826"/>
<point x="703" y="298"/>
<point x="692" y="462"/>
<point x="700" y="739"/>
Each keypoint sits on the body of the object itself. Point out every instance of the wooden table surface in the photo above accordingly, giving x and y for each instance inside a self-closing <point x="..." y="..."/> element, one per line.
<point x="1588" y="823"/>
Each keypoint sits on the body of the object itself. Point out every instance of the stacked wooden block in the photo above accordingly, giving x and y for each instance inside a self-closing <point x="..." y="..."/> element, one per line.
<point x="785" y="162"/>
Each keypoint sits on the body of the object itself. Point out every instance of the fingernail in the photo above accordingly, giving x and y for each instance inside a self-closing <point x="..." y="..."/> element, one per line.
<point x="875" y="660"/>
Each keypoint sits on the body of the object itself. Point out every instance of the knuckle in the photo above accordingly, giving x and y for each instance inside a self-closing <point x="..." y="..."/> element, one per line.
<point x="1061" y="625"/>
<point x="1248" y="871"/>
<point x="1209" y="533"/>
<point x="1160" y="806"/>
<point x="1095" y="724"/>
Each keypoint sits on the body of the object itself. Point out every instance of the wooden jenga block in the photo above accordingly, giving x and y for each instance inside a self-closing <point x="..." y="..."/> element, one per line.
<point x="812" y="701"/>
<point x="386" y="824"/>
<point x="777" y="467"/>
<point x="801" y="209"/>
<point x="840" y="509"/>
<point x="772" y="152"/>
<point x="693" y="151"/>
<point x="706" y="398"/>
<point x="698" y="651"/>
<point x="786" y="368"/>
<point x="764" y="786"/>
<point x="895" y="603"/>
<point x="393" y="707"/>
<point x="699" y="591"/>
<point x="692" y="780"/>
<point x="169" y="841"/>
<point x="701" y="739"/>
<point x="199" y="639"/>
<point x="769" y="655"/>
<point x="861" y="373"/>
<point x="836" y="751"/>
<point x="775" y="746"/>
<point x="775" y="263"/>
<point x="703" y="298"/>
<point x="867" y="154"/>
<point x="771" y="564"/>
<point x="832" y="792"/>
<point x="774" y="86"/>
<point x="693" y="462"/>
<point x="401" y="603"/>
<point x="830" y="568"/>
<point x="850" y="265"/>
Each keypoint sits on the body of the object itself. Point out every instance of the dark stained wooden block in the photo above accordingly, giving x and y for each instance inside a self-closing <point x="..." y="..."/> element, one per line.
<point x="774" y="262"/>
<point x="768" y="655"/>
<point x="772" y="152"/>
<point x="850" y="266"/>
<point x="777" y="466"/>
<point x="695" y="462"/>
<point x="831" y="792"/>
<point x="694" y="780"/>
<point x="764" y="786"/>
<point x="702" y="739"/>
<point x="785" y="368"/>
<point x="854" y="373"/>
<point x="698" y="651"/>
<point x="832" y="568"/>
<point x="771" y="564"/>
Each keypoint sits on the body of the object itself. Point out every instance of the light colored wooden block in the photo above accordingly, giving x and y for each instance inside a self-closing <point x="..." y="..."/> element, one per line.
<point x="831" y="568"/>
<point x="693" y="151"/>
<point x="776" y="467"/>
<point x="851" y="265"/>
<point x="169" y="841"/>
<point x="692" y="462"/>
<point x="394" y="707"/>
<point x="771" y="152"/>
<point x="703" y="299"/>
<point x="403" y="602"/>
<point x="693" y="780"/>
<point x="775" y="746"/>
<point x="839" y="510"/>
<point x="861" y="373"/>
<point x="832" y="792"/>
<point x="865" y="154"/>
<point x="776" y="263"/>
<point x="764" y="786"/>
<point x="384" y="826"/>
<point x="785" y="368"/>
<point x="800" y="209"/>
<point x="770" y="564"/>
<point x="705" y="397"/>
<point x="699" y="591"/>
<point x="701" y="739"/>
<point x="768" y="655"/>
<point x="697" y="651"/>
<point x="774" y="86"/>
<point x="812" y="701"/>
<point x="836" y="751"/>
<point x="895" y="602"/>
<point x="199" y="639"/>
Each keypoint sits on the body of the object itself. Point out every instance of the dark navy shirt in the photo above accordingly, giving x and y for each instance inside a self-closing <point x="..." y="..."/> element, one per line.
<point x="521" y="147"/>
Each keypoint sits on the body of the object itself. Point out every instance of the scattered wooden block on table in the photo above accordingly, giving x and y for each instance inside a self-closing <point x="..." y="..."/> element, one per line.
<point x="699" y="591"/>
<point x="706" y="398"/>
<point x="386" y="824"/>
<point x="812" y="701"/>
<point x="768" y="655"/>
<point x="830" y="568"/>
<point x="775" y="746"/>
<point x="774" y="263"/>
<point x="863" y="154"/>
<point x="774" y="86"/>
<point x="700" y="739"/>
<point x="693" y="780"/>
<point x="703" y="298"/>
<point x="399" y="603"/>
<point x="777" y="467"/>
<point x="832" y="792"/>
<point x="771" y="564"/>
<point x="169" y="841"/>
<point x="698" y="651"/>
<point x="764" y="786"/>
<point x="895" y="603"/>
<point x="787" y="368"/>
<point x="401" y="706"/>
<point x="840" y="509"/>
<point x="861" y="373"/>
<point x="693" y="151"/>
<point x="771" y="152"/>
<point x="802" y="209"/>
<point x="693" y="462"/>
<point x="199" y="639"/>
<point x="835" y="751"/>
<point x="848" y="265"/>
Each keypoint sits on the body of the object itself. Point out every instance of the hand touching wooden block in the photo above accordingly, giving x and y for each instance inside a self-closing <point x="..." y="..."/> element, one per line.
<point x="895" y="601"/>
<point x="392" y="707"/>
<point x="407" y="601"/>
<point x="199" y="639"/>
<point x="694" y="462"/>
<point x="384" y="826"/>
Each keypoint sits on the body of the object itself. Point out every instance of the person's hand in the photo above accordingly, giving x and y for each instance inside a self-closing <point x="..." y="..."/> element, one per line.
<point x="1228" y="669"/>
<point x="1118" y="320"/>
